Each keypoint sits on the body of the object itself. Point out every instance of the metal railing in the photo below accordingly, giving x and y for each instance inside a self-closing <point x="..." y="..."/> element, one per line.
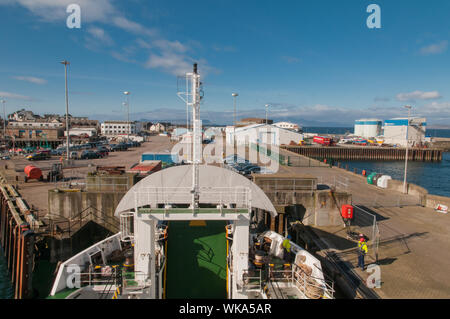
<point x="252" y="280"/>
<point x="241" y="196"/>
<point x="277" y="184"/>
<point x="311" y="287"/>
<point x="139" y="281"/>
<point x="93" y="278"/>
<point x="400" y="200"/>
<point x="335" y="181"/>
<point x="59" y="225"/>
<point x="366" y="223"/>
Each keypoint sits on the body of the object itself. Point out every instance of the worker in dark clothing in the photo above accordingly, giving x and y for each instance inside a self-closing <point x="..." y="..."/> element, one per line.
<point x="362" y="250"/>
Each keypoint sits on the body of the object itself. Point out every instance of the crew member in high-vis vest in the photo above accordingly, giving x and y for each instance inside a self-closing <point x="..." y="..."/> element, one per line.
<point x="362" y="250"/>
<point x="287" y="248"/>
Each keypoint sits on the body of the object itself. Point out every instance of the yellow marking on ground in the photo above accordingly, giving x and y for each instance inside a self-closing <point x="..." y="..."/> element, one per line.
<point x="197" y="223"/>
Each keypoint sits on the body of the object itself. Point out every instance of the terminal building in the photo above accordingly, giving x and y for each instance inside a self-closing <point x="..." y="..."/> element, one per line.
<point x="111" y="128"/>
<point x="368" y="127"/>
<point x="395" y="131"/>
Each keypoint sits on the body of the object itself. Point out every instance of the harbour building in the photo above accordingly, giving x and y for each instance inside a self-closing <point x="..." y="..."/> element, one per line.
<point x="396" y="131"/>
<point x="368" y="127"/>
<point x="262" y="133"/>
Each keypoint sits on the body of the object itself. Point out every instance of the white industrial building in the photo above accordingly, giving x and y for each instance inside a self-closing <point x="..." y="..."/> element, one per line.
<point x="110" y="128"/>
<point x="395" y="131"/>
<point x="77" y="131"/>
<point x="262" y="134"/>
<point x="368" y="127"/>
<point x="288" y="126"/>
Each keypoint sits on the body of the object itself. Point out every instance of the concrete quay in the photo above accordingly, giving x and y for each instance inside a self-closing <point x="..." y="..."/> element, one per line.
<point x="413" y="248"/>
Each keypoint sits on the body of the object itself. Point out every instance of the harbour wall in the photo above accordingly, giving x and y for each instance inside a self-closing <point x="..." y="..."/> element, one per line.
<point x="425" y="199"/>
<point x="367" y="153"/>
<point x="18" y="229"/>
<point x="77" y="204"/>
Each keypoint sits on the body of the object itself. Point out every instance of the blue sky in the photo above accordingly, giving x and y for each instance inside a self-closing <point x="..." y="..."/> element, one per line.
<point x="314" y="62"/>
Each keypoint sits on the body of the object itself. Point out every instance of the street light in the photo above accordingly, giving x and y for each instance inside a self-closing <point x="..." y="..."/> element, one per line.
<point x="267" y="111"/>
<point x="405" y="191"/>
<point x="234" y="95"/>
<point x="66" y="63"/>
<point x="127" y="93"/>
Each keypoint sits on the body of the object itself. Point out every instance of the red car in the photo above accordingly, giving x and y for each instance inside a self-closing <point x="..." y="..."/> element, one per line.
<point x="102" y="152"/>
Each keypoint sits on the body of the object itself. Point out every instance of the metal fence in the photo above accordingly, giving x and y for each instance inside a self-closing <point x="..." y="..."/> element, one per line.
<point x="377" y="201"/>
<point x="337" y="182"/>
<point x="302" y="161"/>
<point x="366" y="223"/>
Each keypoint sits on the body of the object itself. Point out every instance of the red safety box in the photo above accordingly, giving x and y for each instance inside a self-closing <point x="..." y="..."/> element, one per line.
<point x="347" y="211"/>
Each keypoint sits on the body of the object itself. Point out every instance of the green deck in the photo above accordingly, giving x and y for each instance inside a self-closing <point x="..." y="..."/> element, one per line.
<point x="196" y="263"/>
<point x="62" y="294"/>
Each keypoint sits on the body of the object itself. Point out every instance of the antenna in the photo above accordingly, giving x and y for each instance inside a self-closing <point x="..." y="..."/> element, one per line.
<point x="191" y="96"/>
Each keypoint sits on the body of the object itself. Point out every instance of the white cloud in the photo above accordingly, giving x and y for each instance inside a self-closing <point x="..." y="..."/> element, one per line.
<point x="30" y="79"/>
<point x="53" y="10"/>
<point x="166" y="55"/>
<point x="436" y="48"/>
<point x="100" y="34"/>
<point x="418" y="95"/>
<point x="170" y="62"/>
<point x="15" y="96"/>
<point x="132" y="26"/>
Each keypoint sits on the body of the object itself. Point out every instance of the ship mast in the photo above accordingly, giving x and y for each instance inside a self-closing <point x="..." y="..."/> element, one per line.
<point x="192" y="99"/>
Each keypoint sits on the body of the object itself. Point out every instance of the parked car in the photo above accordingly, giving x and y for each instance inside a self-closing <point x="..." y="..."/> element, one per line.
<point x="251" y="169"/>
<point x="73" y="155"/>
<point x="38" y="156"/>
<point x="102" y="152"/>
<point x="89" y="155"/>
<point x="119" y="147"/>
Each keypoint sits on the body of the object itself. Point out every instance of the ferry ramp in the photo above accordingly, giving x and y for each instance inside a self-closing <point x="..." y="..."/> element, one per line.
<point x="196" y="260"/>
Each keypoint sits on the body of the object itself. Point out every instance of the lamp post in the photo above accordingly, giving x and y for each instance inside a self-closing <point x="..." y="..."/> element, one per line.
<point x="66" y="63"/>
<point x="127" y="93"/>
<point x="234" y="95"/>
<point x="234" y="98"/>
<point x="405" y="191"/>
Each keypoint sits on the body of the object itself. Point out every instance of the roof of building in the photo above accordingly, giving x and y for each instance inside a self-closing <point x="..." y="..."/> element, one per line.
<point x="147" y="166"/>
